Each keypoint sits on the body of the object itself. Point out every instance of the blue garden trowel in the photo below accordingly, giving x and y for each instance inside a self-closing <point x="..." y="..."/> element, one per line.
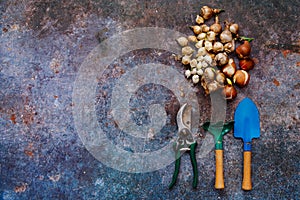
<point x="247" y="127"/>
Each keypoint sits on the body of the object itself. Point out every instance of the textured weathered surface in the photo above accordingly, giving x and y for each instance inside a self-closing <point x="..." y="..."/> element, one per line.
<point x="43" y="44"/>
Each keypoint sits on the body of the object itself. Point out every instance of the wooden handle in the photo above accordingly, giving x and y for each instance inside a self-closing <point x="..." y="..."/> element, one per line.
<point x="219" y="184"/>
<point x="247" y="185"/>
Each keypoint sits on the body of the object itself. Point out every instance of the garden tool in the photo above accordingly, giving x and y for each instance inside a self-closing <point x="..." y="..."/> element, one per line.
<point x="218" y="130"/>
<point x="247" y="127"/>
<point x="185" y="143"/>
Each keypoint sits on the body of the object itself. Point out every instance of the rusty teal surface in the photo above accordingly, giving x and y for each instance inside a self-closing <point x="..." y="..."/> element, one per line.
<point x="43" y="44"/>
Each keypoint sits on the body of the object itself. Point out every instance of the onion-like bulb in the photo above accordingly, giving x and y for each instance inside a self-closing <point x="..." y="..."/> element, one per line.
<point x="216" y="27"/>
<point x="226" y="35"/>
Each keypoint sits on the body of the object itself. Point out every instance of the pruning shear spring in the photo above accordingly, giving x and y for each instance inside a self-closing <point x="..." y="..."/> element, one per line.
<point x="185" y="142"/>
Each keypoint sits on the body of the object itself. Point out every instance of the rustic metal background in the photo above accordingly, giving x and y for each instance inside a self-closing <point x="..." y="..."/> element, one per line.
<point x="43" y="44"/>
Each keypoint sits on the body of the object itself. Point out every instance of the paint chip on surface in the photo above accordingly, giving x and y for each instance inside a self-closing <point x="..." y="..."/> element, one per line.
<point x="21" y="188"/>
<point x="276" y="82"/>
<point x="55" y="178"/>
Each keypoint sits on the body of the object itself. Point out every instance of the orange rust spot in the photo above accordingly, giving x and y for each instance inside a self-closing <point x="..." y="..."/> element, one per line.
<point x="298" y="64"/>
<point x="55" y="96"/>
<point x="13" y="118"/>
<point x="276" y="82"/>
<point x="286" y="52"/>
<point x="28" y="117"/>
<point x="255" y="60"/>
<point x="29" y="150"/>
<point x="29" y="153"/>
<point x="28" y="112"/>
<point x="21" y="188"/>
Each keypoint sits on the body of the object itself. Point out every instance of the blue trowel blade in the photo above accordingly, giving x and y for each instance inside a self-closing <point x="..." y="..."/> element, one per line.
<point x="246" y="121"/>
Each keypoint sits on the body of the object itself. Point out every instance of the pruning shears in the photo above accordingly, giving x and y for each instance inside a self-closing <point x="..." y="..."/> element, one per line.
<point x="185" y="142"/>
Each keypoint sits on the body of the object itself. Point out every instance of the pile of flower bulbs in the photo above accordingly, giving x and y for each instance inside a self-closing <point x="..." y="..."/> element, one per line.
<point x="208" y="54"/>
